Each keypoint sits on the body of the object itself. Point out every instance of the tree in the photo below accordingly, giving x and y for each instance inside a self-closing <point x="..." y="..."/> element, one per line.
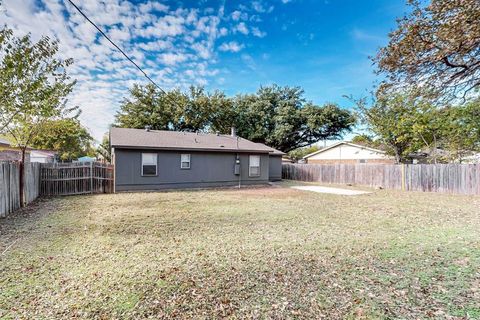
<point x="388" y="117"/>
<point x="277" y="116"/>
<point x="281" y="118"/>
<point x="299" y="153"/>
<point x="462" y="129"/>
<point x="194" y="110"/>
<point x="367" y="140"/>
<point x="437" y="45"/>
<point x="33" y="88"/>
<point x="66" y="136"/>
<point x="104" y="150"/>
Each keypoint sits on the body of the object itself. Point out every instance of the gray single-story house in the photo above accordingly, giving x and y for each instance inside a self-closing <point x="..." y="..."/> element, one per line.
<point x="154" y="160"/>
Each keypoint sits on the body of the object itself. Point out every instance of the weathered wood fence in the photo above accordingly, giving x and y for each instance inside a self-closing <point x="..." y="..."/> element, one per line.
<point x="449" y="178"/>
<point x="10" y="185"/>
<point x="51" y="180"/>
<point x="76" y="178"/>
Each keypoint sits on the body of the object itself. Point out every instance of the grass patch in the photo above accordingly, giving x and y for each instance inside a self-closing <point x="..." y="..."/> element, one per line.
<point x="251" y="253"/>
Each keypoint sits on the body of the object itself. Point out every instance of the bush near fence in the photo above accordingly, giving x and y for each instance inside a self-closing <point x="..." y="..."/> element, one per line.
<point x="10" y="185"/>
<point x="449" y="178"/>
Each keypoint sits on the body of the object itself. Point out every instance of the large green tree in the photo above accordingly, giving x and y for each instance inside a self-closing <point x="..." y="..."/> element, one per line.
<point x="33" y="87"/>
<point x="437" y="45"/>
<point x="277" y="116"/>
<point x="462" y="130"/>
<point x="281" y="118"/>
<point x="174" y="110"/>
<point x="66" y="136"/>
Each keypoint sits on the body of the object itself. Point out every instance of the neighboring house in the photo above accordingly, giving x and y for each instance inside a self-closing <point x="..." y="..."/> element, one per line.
<point x="348" y="153"/>
<point x="152" y="160"/>
<point x="43" y="156"/>
<point x="472" y="159"/>
<point x="10" y="153"/>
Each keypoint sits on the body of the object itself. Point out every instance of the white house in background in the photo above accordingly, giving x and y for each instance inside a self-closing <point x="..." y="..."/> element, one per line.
<point x="473" y="159"/>
<point x="344" y="152"/>
<point x="43" y="156"/>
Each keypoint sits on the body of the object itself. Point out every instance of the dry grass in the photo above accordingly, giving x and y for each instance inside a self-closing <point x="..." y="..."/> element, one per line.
<point x="254" y="253"/>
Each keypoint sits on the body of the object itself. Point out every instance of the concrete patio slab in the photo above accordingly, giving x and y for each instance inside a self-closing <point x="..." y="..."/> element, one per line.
<point x="339" y="191"/>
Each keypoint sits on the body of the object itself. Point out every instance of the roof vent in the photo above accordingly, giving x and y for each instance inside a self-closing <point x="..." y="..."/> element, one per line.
<point x="147" y="128"/>
<point x="217" y="133"/>
<point x="234" y="132"/>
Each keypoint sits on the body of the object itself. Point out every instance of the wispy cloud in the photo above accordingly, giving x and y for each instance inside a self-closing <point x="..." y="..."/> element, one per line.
<point x="232" y="46"/>
<point x="242" y="28"/>
<point x="362" y="35"/>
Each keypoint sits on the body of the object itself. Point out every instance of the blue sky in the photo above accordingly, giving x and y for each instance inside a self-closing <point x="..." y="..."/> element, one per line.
<point x="235" y="46"/>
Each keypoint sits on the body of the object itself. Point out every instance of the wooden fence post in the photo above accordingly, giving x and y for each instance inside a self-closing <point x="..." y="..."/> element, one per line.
<point x="403" y="177"/>
<point x="91" y="177"/>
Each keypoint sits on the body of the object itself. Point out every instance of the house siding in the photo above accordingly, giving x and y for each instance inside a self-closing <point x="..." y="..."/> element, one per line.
<point x="207" y="169"/>
<point x="345" y="153"/>
<point x="350" y="161"/>
<point x="13" y="155"/>
<point x="275" y="168"/>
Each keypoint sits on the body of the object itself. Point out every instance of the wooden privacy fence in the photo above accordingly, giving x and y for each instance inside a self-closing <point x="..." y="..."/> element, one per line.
<point x="10" y="185"/>
<point x="76" y="178"/>
<point x="450" y="178"/>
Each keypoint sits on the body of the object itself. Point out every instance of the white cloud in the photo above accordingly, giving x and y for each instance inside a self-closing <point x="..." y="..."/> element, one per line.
<point x="261" y="8"/>
<point x="238" y="15"/>
<point x="153" y="6"/>
<point x="258" y="33"/>
<point x="171" y="59"/>
<point x="232" y="46"/>
<point x="242" y="28"/>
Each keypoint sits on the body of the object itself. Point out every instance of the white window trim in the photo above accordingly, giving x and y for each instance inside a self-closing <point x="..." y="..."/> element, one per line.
<point x="150" y="164"/>
<point x="189" y="161"/>
<point x="250" y="166"/>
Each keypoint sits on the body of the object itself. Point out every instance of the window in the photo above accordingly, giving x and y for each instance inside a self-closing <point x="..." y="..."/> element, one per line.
<point x="185" y="161"/>
<point x="254" y="166"/>
<point x="149" y="164"/>
<point x="362" y="161"/>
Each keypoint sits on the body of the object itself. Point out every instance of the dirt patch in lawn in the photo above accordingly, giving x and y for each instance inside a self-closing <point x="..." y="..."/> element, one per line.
<point x="249" y="253"/>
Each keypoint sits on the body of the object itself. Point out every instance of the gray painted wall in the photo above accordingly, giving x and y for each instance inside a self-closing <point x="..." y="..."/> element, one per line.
<point x="207" y="169"/>
<point x="275" y="168"/>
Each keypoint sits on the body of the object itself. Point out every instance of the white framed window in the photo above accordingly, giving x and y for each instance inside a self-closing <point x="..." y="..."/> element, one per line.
<point x="149" y="164"/>
<point x="184" y="161"/>
<point x="254" y="166"/>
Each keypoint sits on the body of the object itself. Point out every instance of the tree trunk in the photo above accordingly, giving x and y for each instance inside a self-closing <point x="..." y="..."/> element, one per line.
<point x="397" y="155"/>
<point x="22" y="179"/>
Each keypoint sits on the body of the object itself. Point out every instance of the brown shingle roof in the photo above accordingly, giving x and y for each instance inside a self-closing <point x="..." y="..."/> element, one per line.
<point x="174" y="140"/>
<point x="272" y="150"/>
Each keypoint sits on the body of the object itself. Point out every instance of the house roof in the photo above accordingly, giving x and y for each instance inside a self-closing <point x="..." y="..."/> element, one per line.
<point x="4" y="142"/>
<point x="44" y="152"/>
<point x="340" y="143"/>
<point x="175" y="140"/>
<point x="273" y="151"/>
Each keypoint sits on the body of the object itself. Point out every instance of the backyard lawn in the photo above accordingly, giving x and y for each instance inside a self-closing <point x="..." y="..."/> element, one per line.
<point x="252" y="253"/>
